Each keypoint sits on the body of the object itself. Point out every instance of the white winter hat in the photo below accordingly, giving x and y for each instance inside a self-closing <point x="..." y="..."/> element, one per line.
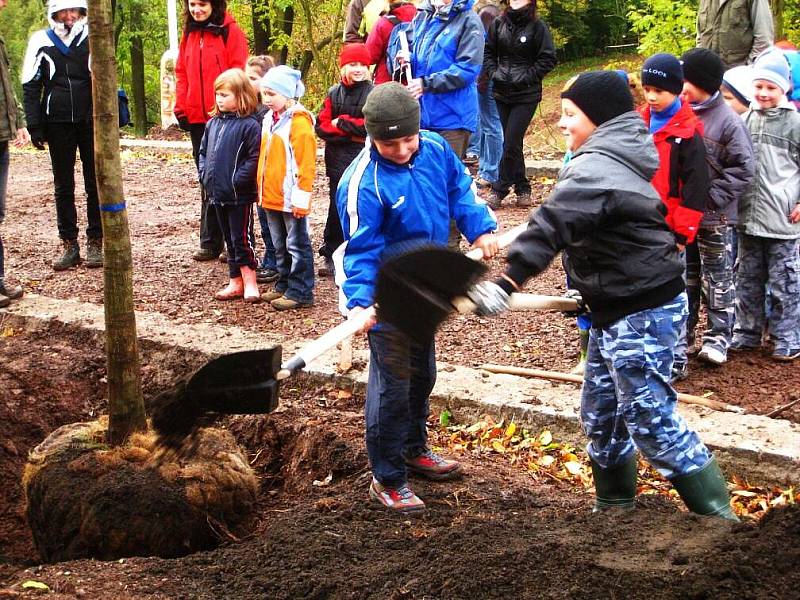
<point x="739" y="80"/>
<point x="53" y="6"/>
<point x="772" y="66"/>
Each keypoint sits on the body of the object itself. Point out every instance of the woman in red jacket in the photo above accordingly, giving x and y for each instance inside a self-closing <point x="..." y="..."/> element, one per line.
<point x="212" y="43"/>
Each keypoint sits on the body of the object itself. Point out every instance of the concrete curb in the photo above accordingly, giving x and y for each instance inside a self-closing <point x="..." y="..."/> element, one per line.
<point x="755" y="447"/>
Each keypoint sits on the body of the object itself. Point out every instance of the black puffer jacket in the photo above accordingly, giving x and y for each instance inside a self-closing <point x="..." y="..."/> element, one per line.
<point x="519" y="53"/>
<point x="57" y="88"/>
<point x="609" y="219"/>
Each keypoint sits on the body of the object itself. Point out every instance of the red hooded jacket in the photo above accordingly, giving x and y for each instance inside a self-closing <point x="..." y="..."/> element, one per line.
<point x="204" y="53"/>
<point x="682" y="176"/>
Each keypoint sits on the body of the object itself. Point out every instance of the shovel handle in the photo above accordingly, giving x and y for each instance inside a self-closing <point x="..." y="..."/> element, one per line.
<point x="522" y="302"/>
<point x="314" y="349"/>
<point x="503" y="240"/>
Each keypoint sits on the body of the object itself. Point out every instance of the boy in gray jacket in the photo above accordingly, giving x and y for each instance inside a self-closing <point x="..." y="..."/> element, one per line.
<point x="729" y="154"/>
<point x="769" y="217"/>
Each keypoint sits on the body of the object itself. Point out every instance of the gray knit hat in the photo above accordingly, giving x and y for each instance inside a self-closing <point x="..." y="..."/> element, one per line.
<point x="391" y="112"/>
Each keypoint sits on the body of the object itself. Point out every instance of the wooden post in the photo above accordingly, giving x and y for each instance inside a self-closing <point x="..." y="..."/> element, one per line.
<point x="125" y="404"/>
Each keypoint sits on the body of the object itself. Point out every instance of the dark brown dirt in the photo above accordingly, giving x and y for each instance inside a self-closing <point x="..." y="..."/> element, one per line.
<point x="494" y="534"/>
<point x="163" y="207"/>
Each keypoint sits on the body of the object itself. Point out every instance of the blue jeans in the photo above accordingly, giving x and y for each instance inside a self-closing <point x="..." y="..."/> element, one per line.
<point x="293" y="255"/>
<point x="491" y="150"/>
<point x="268" y="261"/>
<point x="401" y="378"/>
<point x="627" y="401"/>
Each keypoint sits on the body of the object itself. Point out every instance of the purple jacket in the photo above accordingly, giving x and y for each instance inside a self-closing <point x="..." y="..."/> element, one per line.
<point x="729" y="154"/>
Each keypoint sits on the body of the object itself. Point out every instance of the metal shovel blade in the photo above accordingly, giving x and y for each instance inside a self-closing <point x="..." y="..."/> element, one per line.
<point x="238" y="383"/>
<point x="415" y="288"/>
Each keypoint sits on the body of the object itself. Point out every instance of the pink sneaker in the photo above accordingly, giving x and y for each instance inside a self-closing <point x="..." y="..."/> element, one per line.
<point x="401" y="499"/>
<point x="431" y="465"/>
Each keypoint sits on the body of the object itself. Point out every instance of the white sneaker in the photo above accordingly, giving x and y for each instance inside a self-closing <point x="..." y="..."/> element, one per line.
<point x="712" y="355"/>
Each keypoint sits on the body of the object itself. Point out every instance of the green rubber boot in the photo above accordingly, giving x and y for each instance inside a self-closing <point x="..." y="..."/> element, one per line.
<point x="615" y="487"/>
<point x="704" y="492"/>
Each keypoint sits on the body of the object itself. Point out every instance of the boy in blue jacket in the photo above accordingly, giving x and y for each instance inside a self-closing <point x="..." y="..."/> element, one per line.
<point x="404" y="185"/>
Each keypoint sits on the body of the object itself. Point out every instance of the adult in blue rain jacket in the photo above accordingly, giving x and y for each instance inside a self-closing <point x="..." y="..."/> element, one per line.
<point x="446" y="58"/>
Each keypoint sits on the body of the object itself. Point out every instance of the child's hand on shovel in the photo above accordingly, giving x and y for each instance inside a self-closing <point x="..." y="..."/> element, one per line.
<point x="486" y="243"/>
<point x="353" y="312"/>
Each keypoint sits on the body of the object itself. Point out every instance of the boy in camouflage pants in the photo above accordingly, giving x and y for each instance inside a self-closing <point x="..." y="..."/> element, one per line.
<point x="769" y="217"/>
<point x="621" y="256"/>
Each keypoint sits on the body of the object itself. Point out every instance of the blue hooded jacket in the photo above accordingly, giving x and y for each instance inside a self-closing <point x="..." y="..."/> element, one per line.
<point x="228" y="159"/>
<point x="382" y="203"/>
<point x="447" y="53"/>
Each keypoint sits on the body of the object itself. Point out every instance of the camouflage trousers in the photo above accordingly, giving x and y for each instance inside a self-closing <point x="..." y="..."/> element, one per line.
<point x="716" y="280"/>
<point x="768" y="262"/>
<point x="627" y="401"/>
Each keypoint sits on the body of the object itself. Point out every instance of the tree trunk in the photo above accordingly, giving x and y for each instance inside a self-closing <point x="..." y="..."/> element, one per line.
<point x="125" y="404"/>
<point x="261" y="28"/>
<point x="137" y="71"/>
<point x="288" y="24"/>
<point x="777" y="18"/>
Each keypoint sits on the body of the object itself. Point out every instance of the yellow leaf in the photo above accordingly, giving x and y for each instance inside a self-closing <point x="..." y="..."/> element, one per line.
<point x="7" y="332"/>
<point x="498" y="447"/>
<point x="35" y="585"/>
<point x="546" y="460"/>
<point x="511" y="429"/>
<point x="545" y="438"/>
<point x="573" y="467"/>
<point x="744" y="493"/>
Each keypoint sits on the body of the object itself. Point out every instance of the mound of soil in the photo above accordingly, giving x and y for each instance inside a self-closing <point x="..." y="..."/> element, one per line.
<point x="85" y="499"/>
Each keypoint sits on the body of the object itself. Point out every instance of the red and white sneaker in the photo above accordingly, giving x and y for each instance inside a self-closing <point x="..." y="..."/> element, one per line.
<point x="401" y="499"/>
<point x="431" y="465"/>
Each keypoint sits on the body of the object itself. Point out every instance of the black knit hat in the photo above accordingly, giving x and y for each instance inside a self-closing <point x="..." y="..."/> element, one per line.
<point x="391" y="112"/>
<point x="663" y="71"/>
<point x="601" y="95"/>
<point x="703" y="68"/>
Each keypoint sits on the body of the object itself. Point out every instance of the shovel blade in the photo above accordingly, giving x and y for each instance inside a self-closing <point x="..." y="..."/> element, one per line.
<point x="415" y="288"/>
<point x="238" y="383"/>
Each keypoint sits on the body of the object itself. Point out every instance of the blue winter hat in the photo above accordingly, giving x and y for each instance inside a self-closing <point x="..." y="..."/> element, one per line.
<point x="284" y="80"/>
<point x="772" y="66"/>
<point x="663" y="71"/>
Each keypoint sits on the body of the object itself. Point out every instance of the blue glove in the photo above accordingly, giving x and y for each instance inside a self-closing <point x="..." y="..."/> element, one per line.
<point x="489" y="298"/>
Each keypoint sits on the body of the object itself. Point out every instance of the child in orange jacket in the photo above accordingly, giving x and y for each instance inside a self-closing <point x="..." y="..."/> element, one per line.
<point x="286" y="169"/>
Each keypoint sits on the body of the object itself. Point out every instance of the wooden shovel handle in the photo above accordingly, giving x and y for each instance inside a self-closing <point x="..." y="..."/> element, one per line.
<point x="322" y="344"/>
<point x="572" y="378"/>
<point x="464" y="305"/>
<point x="503" y="240"/>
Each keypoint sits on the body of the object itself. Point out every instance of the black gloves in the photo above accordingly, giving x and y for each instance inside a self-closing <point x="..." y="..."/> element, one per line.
<point x="37" y="138"/>
<point x="183" y="122"/>
<point x="581" y="309"/>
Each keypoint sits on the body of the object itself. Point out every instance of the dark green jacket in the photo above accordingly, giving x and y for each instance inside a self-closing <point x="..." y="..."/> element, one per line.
<point x="737" y="30"/>
<point x="11" y="115"/>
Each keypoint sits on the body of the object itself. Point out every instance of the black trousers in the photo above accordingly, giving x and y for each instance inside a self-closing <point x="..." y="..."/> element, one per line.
<point x="237" y="228"/>
<point x="337" y="159"/>
<point x="63" y="140"/>
<point x="515" y="119"/>
<point x="211" y="237"/>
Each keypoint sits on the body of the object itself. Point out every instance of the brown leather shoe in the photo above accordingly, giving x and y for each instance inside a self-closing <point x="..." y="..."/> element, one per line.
<point x="284" y="303"/>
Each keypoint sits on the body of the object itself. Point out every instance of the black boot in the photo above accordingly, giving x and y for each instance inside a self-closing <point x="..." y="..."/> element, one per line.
<point x="12" y="293"/>
<point x="70" y="256"/>
<point x="704" y="492"/>
<point x="615" y="487"/>
<point x="94" y="253"/>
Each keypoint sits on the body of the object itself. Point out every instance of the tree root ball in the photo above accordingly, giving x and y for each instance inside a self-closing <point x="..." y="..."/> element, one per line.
<point x="85" y="499"/>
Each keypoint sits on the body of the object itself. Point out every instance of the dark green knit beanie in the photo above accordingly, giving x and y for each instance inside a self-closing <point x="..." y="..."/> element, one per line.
<point x="391" y="112"/>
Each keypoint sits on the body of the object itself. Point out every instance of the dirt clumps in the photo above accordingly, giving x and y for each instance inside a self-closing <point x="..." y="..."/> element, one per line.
<point x="85" y="499"/>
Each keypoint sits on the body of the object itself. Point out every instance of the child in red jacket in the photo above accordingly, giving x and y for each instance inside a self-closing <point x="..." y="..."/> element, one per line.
<point x="682" y="176"/>
<point x="341" y="125"/>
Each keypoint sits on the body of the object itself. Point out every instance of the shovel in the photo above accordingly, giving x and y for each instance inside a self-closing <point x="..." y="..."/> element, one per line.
<point x="248" y="382"/>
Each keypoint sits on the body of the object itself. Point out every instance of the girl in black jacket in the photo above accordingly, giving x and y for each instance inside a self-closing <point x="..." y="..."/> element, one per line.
<point x="519" y="53"/>
<point x="228" y="160"/>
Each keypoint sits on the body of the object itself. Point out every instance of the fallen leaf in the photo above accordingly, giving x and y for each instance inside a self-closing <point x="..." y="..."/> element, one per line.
<point x="498" y="447"/>
<point x="573" y="467"/>
<point x="546" y="460"/>
<point x="511" y="429"/>
<point x="545" y="438"/>
<point x="35" y="585"/>
<point x="744" y="493"/>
